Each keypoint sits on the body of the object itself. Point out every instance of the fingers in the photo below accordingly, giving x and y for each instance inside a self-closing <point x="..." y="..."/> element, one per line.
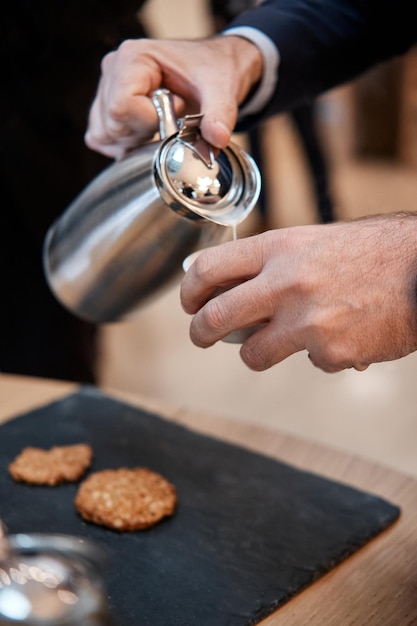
<point x="238" y="65"/>
<point x="238" y="285"/>
<point x="224" y="294"/>
<point x="219" y="119"/>
<point x="122" y="115"/>
<point x="241" y="306"/>
<point x="270" y="345"/>
<point x="320" y="289"/>
<point x="332" y="354"/>
<point x="279" y="340"/>
<point x="115" y="132"/>
<point x="221" y="266"/>
<point x="212" y="77"/>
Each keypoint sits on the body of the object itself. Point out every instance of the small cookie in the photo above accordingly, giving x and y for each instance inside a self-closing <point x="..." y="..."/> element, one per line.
<point x="51" y="467"/>
<point x="126" y="499"/>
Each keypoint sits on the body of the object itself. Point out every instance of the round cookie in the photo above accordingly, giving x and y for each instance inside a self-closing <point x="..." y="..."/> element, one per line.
<point x="126" y="499"/>
<point x="51" y="467"/>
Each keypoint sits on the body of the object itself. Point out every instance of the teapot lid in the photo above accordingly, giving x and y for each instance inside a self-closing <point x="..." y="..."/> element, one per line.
<point x="199" y="181"/>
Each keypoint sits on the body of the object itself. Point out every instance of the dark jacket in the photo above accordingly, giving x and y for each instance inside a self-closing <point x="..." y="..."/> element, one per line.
<point x="324" y="43"/>
<point x="51" y="52"/>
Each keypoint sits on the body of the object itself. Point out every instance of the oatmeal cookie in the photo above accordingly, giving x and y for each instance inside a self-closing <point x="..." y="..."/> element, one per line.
<point x="51" y="467"/>
<point x="126" y="499"/>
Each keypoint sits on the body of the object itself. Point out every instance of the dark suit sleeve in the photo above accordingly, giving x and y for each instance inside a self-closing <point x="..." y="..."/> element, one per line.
<point x="324" y="43"/>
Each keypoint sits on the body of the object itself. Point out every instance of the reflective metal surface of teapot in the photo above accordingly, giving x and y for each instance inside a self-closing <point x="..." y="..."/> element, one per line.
<point x="125" y="236"/>
<point x="52" y="580"/>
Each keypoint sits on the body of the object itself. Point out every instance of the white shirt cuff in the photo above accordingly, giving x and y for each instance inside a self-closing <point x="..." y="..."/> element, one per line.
<point x="271" y="61"/>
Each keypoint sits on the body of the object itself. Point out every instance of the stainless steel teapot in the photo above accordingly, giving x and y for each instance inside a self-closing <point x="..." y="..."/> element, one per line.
<point x="125" y="236"/>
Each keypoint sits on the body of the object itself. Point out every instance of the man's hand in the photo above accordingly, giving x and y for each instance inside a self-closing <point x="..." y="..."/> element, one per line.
<point x="344" y="292"/>
<point x="212" y="77"/>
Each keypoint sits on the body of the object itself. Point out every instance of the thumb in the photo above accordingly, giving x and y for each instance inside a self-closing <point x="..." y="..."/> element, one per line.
<point x="219" y="118"/>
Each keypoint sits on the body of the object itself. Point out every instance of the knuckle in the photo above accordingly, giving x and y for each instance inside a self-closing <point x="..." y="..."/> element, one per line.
<point x="128" y="48"/>
<point x="215" y="315"/>
<point x="332" y="354"/>
<point x="107" y="61"/>
<point x="118" y="111"/>
<point x="124" y="52"/>
<point x="333" y="357"/>
<point x="328" y="342"/>
<point x="253" y="358"/>
<point x="202" y="268"/>
<point x="324" y="366"/>
<point x="89" y="140"/>
<point x="94" y="139"/>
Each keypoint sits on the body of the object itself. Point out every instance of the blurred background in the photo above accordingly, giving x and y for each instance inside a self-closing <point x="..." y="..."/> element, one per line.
<point x="368" y="133"/>
<point x="354" y="153"/>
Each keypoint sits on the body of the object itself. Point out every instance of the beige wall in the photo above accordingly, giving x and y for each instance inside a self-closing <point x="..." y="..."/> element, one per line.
<point x="177" y="18"/>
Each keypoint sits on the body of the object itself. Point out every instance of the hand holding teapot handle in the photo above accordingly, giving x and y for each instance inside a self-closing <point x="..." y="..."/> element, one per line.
<point x="212" y="76"/>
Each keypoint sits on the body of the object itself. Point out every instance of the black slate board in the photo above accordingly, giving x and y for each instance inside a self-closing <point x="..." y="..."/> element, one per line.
<point x="249" y="532"/>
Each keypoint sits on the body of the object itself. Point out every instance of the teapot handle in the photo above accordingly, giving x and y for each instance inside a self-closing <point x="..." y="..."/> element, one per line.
<point x="187" y="128"/>
<point x="164" y="105"/>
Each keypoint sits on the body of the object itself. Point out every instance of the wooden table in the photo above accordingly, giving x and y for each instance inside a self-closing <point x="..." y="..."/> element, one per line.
<point x="377" y="586"/>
